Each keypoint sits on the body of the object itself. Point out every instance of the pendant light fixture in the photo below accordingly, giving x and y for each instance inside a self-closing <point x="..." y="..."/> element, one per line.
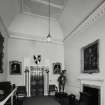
<point x="49" y="35"/>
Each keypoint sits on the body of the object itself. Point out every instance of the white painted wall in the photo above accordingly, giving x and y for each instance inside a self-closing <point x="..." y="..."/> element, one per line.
<point x="72" y="53"/>
<point x="8" y="10"/>
<point x="20" y="49"/>
<point x="33" y="26"/>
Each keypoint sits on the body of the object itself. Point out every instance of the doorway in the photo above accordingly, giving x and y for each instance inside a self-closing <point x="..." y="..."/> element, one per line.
<point x="37" y="81"/>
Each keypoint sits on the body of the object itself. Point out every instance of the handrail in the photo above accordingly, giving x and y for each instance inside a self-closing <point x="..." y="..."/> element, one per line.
<point x="10" y="95"/>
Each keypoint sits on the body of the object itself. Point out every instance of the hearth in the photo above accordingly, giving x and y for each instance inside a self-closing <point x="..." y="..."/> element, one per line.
<point x="90" y="95"/>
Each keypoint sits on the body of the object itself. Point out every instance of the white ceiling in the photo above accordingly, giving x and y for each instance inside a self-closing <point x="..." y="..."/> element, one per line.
<point x="69" y="13"/>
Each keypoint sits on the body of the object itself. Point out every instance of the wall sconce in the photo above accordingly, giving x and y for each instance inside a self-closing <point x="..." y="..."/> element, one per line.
<point x="37" y="59"/>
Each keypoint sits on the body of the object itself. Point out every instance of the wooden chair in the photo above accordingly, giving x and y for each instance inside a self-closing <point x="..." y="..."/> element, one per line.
<point x="52" y="89"/>
<point x="21" y="94"/>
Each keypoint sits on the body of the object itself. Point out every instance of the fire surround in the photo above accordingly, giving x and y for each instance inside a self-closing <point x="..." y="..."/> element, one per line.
<point x="95" y="83"/>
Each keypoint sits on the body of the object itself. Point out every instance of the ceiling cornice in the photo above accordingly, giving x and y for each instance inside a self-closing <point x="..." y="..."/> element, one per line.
<point x="33" y="38"/>
<point x="90" y="19"/>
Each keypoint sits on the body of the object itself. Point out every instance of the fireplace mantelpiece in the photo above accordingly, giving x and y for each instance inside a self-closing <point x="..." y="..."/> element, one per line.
<point x="93" y="82"/>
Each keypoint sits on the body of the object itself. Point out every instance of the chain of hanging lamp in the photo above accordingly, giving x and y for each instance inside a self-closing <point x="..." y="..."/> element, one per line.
<point x="49" y="35"/>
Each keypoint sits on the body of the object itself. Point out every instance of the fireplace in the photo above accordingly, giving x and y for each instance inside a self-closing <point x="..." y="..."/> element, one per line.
<point x="92" y="87"/>
<point x="90" y="95"/>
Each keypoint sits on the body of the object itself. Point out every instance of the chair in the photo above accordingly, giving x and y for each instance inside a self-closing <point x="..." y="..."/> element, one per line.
<point x="53" y="89"/>
<point x="21" y="93"/>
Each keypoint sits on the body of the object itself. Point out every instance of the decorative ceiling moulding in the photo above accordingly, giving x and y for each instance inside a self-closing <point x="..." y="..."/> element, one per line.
<point x="47" y="3"/>
<point x="33" y="38"/>
<point x="91" y="18"/>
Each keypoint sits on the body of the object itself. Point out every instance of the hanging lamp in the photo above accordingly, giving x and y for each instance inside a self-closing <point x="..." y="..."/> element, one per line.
<point x="49" y="35"/>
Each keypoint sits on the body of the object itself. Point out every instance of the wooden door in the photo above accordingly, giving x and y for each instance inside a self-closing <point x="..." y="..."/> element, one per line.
<point x="37" y="81"/>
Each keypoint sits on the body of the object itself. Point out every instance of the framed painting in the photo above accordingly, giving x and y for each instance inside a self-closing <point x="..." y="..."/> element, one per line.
<point x="15" y="67"/>
<point x="90" y="58"/>
<point x="1" y="52"/>
<point x="57" y="68"/>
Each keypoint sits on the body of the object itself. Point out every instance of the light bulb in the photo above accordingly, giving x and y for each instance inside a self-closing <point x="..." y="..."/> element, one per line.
<point x="49" y="37"/>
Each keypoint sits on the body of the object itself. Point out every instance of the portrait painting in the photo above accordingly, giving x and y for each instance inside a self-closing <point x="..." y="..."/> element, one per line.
<point x="57" y="68"/>
<point x="15" y="67"/>
<point x="1" y="52"/>
<point x="90" y="57"/>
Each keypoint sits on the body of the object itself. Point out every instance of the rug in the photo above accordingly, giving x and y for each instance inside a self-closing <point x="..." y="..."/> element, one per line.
<point x="40" y="100"/>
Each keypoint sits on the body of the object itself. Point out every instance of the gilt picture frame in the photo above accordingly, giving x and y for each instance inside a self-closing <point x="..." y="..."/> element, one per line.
<point x="90" y="58"/>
